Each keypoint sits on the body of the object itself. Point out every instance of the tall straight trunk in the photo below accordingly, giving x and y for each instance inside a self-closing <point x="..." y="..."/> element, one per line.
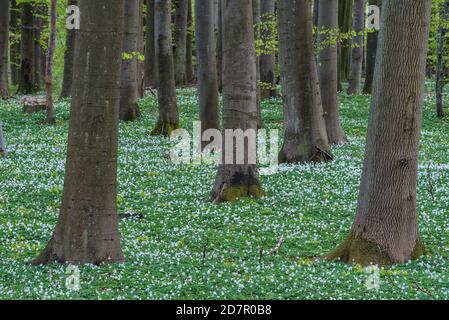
<point x="27" y="64"/>
<point x="371" y="52"/>
<point x="49" y="63"/>
<point x="87" y="229"/>
<point x="238" y="180"/>
<point x="385" y="230"/>
<point x="129" y="92"/>
<point x="150" y="48"/>
<point x="345" y="10"/>
<point x="256" y="22"/>
<point x="4" y="40"/>
<point x="141" y="50"/>
<point x="14" y="50"/>
<point x="268" y="61"/>
<point x="220" y="45"/>
<point x="168" y="107"/>
<point x="70" y="41"/>
<point x="182" y="8"/>
<point x="328" y="75"/>
<point x="305" y="137"/>
<point x="440" y="81"/>
<point x="39" y="55"/>
<point x="190" y="71"/>
<point x="316" y="12"/>
<point x="355" y="72"/>
<point x="207" y="62"/>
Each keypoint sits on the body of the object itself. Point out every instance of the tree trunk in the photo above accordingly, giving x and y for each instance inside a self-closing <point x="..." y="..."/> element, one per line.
<point x="87" y="229"/>
<point x="238" y="180"/>
<point x="67" y="81"/>
<point x="440" y="81"/>
<point x="355" y="72"/>
<point x="14" y="51"/>
<point x="385" y="230"/>
<point x="344" y="49"/>
<point x="39" y="55"/>
<point x="371" y="52"/>
<point x="27" y="64"/>
<point x="305" y="137"/>
<point x="141" y="50"/>
<point x="4" y="40"/>
<point x="220" y="45"/>
<point x="181" y="41"/>
<point x="268" y="61"/>
<point x="256" y="23"/>
<point x="190" y="72"/>
<point x="129" y="92"/>
<point x="316" y="12"/>
<point x="168" y="107"/>
<point x="150" y="49"/>
<point x="49" y="65"/>
<point x="207" y="62"/>
<point x="328" y="74"/>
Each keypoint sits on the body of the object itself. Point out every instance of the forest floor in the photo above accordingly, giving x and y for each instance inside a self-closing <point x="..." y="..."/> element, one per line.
<point x="178" y="245"/>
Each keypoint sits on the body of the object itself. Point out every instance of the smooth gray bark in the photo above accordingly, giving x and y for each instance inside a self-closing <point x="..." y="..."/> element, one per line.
<point x="328" y="71"/>
<point x="207" y="62"/>
<point x="385" y="229"/>
<point x="355" y="70"/>
<point x="236" y="181"/>
<point x="305" y="136"/>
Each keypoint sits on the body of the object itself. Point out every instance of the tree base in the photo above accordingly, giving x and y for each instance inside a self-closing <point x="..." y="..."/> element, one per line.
<point x="54" y="253"/>
<point x="235" y="193"/>
<point x="356" y="250"/>
<point x="295" y="156"/>
<point x="164" y="129"/>
<point x="234" y="183"/>
<point x="131" y="114"/>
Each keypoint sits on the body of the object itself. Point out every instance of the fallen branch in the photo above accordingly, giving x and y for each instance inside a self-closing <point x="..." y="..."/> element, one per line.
<point x="3" y="151"/>
<point x="429" y="177"/>
<point x="278" y="246"/>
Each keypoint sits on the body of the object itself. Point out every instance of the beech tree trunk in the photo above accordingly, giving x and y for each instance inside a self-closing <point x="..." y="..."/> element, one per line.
<point x="70" y="40"/>
<point x="4" y="40"/>
<point x="256" y="23"/>
<point x="328" y="72"/>
<point x="27" y="66"/>
<point x="305" y="136"/>
<point x="345" y="11"/>
<point x="14" y="50"/>
<point x="371" y="52"/>
<point x="182" y="8"/>
<point x="87" y="229"/>
<point x="207" y="62"/>
<point x="130" y="78"/>
<point x="238" y="180"/>
<point x="150" y="49"/>
<point x="440" y="80"/>
<point x="39" y="55"/>
<point x="220" y="45"/>
<point x="385" y="230"/>
<point x="355" y="72"/>
<point x="190" y="70"/>
<point x="268" y="61"/>
<point x="49" y="65"/>
<point x="168" y="107"/>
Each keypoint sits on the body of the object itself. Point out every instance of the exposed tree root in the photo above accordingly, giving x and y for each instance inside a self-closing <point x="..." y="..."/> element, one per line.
<point x="356" y="250"/>
<point x="233" y="186"/>
<point x="301" y="157"/>
<point x="164" y="129"/>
